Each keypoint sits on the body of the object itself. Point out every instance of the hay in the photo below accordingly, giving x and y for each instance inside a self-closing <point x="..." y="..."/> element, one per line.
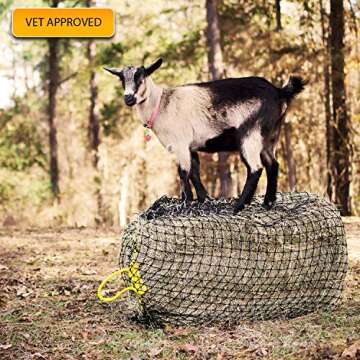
<point x="203" y="265"/>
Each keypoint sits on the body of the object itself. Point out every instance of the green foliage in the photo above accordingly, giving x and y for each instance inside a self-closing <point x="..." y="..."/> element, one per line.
<point x="109" y="113"/>
<point x="20" y="143"/>
<point x="6" y="189"/>
<point x="175" y="31"/>
<point x="187" y="51"/>
<point x="112" y="54"/>
<point x="4" y="6"/>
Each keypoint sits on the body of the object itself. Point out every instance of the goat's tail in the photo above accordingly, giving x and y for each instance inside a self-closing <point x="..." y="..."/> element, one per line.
<point x="294" y="86"/>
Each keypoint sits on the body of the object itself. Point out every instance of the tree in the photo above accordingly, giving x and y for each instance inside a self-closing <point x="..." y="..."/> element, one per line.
<point x="278" y="15"/>
<point x="287" y="146"/>
<point x="54" y="73"/>
<point x="216" y="69"/>
<point x="289" y="156"/>
<point x="93" y="125"/>
<point x="341" y="156"/>
<point x="327" y="102"/>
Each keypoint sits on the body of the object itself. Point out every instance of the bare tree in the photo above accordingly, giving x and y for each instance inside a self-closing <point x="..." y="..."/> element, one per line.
<point x="341" y="156"/>
<point x="54" y="74"/>
<point x="278" y="15"/>
<point x="216" y="69"/>
<point x="327" y="102"/>
<point x="289" y="156"/>
<point x="93" y="125"/>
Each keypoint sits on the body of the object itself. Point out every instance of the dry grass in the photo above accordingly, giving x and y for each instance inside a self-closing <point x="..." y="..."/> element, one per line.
<point x="49" y="310"/>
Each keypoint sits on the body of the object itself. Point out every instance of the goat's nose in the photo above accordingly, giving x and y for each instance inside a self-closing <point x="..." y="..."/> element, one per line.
<point x="130" y="100"/>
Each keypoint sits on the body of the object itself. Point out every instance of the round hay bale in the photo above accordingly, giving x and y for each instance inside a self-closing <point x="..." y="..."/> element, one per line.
<point x="201" y="264"/>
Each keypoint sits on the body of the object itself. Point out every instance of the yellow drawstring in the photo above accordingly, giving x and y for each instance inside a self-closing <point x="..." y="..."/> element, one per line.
<point x="137" y="284"/>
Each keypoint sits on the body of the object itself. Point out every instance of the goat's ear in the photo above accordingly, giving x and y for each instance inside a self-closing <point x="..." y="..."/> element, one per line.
<point x="113" y="71"/>
<point x="154" y="66"/>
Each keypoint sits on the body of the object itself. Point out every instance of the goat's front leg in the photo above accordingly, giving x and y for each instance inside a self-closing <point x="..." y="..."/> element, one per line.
<point x="183" y="156"/>
<point x="186" y="192"/>
<point x="249" y="189"/>
<point x="195" y="177"/>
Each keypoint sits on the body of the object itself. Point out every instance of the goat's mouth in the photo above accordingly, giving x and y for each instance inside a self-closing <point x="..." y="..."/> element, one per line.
<point x="130" y="100"/>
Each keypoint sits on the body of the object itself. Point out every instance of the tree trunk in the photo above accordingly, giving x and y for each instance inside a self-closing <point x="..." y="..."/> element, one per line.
<point x="216" y="69"/>
<point x="53" y="67"/>
<point x="327" y="103"/>
<point x="142" y="176"/>
<point x="289" y="156"/>
<point x="278" y="15"/>
<point x="341" y="122"/>
<point x="215" y="59"/>
<point x="123" y="202"/>
<point x="93" y="126"/>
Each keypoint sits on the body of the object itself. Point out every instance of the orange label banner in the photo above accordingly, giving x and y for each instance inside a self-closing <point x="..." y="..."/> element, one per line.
<point x="63" y="22"/>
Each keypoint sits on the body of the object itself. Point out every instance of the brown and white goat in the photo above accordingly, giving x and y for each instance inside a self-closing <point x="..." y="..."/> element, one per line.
<point x="236" y="114"/>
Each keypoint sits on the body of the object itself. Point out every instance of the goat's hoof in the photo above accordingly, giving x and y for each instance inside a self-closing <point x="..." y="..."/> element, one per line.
<point x="268" y="205"/>
<point x="238" y="207"/>
<point x="204" y="198"/>
<point x="185" y="203"/>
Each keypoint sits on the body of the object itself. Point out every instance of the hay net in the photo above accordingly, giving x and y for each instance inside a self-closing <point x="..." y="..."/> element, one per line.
<point x="201" y="264"/>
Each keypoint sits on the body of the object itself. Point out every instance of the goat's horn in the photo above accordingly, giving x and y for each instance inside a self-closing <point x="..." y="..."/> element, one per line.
<point x="113" y="71"/>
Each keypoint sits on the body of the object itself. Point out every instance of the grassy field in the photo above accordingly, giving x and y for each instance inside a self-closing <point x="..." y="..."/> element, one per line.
<point x="49" y="310"/>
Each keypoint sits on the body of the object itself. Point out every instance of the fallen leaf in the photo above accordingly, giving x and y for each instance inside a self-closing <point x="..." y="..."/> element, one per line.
<point x="32" y="261"/>
<point x="189" y="348"/>
<point x="5" y="346"/>
<point x="38" y="356"/>
<point x="23" y="292"/>
<point x="261" y="352"/>
<point x="85" y="271"/>
<point x="26" y="336"/>
<point x="3" y="267"/>
<point x="69" y="357"/>
<point x="352" y="352"/>
<point x="178" y="332"/>
<point x="155" y="352"/>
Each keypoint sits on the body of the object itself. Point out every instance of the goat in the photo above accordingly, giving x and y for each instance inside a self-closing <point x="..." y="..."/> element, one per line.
<point x="235" y="114"/>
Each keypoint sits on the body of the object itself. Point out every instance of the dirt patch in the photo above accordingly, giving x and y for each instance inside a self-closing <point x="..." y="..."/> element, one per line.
<point x="49" y="310"/>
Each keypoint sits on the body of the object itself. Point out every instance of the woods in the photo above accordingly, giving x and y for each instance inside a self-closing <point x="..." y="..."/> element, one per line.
<point x="341" y="141"/>
<point x="73" y="154"/>
<point x="54" y="76"/>
<point x="216" y="70"/>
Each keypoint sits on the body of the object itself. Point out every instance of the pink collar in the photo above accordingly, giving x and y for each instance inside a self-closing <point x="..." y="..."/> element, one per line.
<point x="150" y="123"/>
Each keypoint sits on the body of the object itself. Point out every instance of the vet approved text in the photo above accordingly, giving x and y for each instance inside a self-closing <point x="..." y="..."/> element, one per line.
<point x="49" y="22"/>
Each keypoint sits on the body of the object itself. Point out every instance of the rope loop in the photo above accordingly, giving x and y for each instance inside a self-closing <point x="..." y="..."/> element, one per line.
<point x="137" y="284"/>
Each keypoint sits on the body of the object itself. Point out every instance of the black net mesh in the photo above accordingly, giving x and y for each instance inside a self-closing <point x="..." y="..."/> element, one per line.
<point x="201" y="264"/>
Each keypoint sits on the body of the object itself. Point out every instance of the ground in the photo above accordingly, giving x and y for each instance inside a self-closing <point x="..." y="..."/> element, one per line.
<point x="49" y="310"/>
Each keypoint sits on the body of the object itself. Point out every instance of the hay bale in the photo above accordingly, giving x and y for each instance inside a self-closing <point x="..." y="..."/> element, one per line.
<point x="202" y="264"/>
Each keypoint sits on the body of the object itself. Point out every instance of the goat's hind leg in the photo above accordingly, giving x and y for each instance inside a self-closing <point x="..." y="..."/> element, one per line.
<point x="250" y="154"/>
<point x="272" y="171"/>
<point x="195" y="177"/>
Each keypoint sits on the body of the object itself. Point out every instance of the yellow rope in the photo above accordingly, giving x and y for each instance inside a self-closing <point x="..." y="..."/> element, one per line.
<point x="137" y="284"/>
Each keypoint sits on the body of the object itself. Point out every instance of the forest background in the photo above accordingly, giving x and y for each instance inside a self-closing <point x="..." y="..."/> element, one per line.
<point x="72" y="153"/>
